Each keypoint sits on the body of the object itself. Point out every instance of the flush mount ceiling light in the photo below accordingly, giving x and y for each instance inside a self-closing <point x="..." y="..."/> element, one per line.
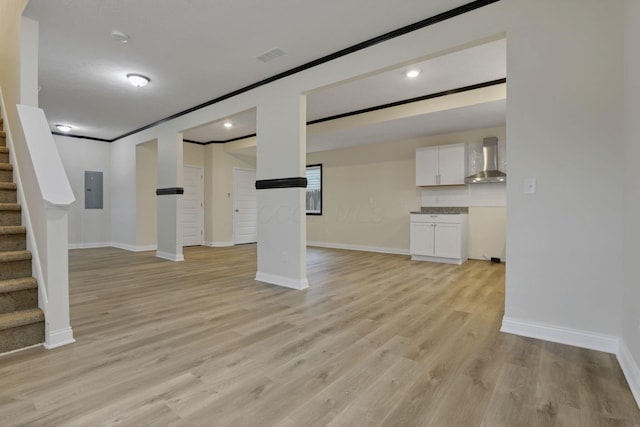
<point x="119" y="36"/>
<point x="412" y="74"/>
<point x="64" y="128"/>
<point x="138" y="80"/>
<point x="228" y="125"/>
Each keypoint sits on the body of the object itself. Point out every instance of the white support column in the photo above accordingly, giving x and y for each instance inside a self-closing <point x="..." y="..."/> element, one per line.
<point x="169" y="196"/>
<point x="281" y="165"/>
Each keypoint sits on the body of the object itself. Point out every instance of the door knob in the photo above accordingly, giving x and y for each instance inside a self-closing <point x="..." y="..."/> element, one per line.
<point x="237" y="210"/>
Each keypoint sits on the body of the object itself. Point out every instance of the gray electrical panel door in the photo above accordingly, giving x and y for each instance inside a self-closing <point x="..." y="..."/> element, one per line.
<point x="92" y="190"/>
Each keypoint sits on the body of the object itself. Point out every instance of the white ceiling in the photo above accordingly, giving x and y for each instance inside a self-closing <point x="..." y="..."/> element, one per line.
<point x="210" y="51"/>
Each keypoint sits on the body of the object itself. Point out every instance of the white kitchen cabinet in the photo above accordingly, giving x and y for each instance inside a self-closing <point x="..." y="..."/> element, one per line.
<point x="439" y="238"/>
<point x="440" y="165"/>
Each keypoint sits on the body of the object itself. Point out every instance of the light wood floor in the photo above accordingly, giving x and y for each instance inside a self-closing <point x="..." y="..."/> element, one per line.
<point x="377" y="340"/>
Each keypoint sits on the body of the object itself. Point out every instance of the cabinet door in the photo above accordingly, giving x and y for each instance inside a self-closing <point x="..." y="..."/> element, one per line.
<point x="426" y="166"/>
<point x="451" y="164"/>
<point x="447" y="240"/>
<point x="421" y="241"/>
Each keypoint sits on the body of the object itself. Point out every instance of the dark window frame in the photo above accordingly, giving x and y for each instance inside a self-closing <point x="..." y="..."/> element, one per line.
<point x="317" y="213"/>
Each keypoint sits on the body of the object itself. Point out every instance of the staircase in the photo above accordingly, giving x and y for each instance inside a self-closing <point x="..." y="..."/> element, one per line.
<point x="21" y="321"/>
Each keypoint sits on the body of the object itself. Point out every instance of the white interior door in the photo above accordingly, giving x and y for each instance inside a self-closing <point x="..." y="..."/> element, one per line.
<point x="193" y="206"/>
<point x="245" y="206"/>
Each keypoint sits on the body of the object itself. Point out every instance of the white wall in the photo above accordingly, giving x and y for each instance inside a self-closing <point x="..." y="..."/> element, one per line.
<point x="631" y="297"/>
<point x="123" y="194"/>
<point x="563" y="122"/>
<point x="87" y="227"/>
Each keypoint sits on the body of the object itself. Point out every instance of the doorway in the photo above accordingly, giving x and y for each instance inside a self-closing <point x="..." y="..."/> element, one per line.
<point x="245" y="206"/>
<point x="193" y="206"/>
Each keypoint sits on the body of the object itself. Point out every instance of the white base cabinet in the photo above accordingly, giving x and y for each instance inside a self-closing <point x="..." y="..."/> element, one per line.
<point x="439" y="238"/>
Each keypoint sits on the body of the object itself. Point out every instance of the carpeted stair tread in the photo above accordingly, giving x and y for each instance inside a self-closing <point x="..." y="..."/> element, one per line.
<point x="12" y="229"/>
<point x="14" y="256"/>
<point x="4" y="150"/>
<point x="10" y="207"/>
<point x="6" y="166"/>
<point x="8" y="186"/>
<point x="21" y="318"/>
<point x="10" y="214"/>
<point x="13" y="285"/>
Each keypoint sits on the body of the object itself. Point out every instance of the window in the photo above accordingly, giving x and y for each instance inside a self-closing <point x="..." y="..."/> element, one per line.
<point x="314" y="190"/>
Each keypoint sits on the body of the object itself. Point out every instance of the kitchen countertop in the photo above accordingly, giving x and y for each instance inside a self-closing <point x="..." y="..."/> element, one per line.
<point x="442" y="210"/>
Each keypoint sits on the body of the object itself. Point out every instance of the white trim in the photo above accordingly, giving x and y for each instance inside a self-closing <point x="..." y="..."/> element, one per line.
<point x="170" y="256"/>
<point x="287" y="282"/>
<point x="218" y="244"/>
<point x="124" y="246"/>
<point x="361" y="248"/>
<point x="117" y="245"/>
<point x="146" y="248"/>
<point x="456" y="261"/>
<point x="55" y="339"/>
<point x="89" y="245"/>
<point x="562" y="335"/>
<point x="630" y="369"/>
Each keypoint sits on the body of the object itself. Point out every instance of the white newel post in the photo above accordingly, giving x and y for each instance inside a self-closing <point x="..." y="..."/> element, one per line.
<point x="169" y="196"/>
<point x="58" y="330"/>
<point x="281" y="183"/>
<point x="45" y="195"/>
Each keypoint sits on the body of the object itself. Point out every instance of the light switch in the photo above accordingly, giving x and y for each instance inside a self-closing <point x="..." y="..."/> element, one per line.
<point x="530" y="186"/>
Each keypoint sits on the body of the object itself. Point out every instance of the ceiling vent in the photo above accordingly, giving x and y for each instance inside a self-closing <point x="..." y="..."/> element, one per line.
<point x="270" y="55"/>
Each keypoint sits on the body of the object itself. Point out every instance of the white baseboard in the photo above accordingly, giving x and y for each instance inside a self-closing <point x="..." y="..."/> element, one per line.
<point x="124" y="246"/>
<point x="362" y="248"/>
<point x="132" y="248"/>
<point x="630" y="369"/>
<point x="90" y="245"/>
<point x="170" y="256"/>
<point x="287" y="282"/>
<point x="574" y="337"/>
<point x="146" y="248"/>
<point x="55" y="339"/>
<point x="456" y="261"/>
<point x="218" y="244"/>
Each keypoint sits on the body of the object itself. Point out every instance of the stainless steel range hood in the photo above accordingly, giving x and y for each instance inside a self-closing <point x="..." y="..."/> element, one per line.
<point x="489" y="172"/>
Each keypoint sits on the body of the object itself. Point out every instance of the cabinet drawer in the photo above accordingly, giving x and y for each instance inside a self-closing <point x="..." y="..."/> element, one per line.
<point x="441" y="218"/>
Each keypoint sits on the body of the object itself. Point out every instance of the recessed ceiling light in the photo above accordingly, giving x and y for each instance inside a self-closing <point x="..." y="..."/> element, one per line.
<point x="119" y="36"/>
<point x="228" y="124"/>
<point x="138" y="80"/>
<point x="64" y="128"/>
<point x="412" y="74"/>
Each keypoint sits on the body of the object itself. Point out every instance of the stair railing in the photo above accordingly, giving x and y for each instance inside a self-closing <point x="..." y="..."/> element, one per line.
<point x="45" y="196"/>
